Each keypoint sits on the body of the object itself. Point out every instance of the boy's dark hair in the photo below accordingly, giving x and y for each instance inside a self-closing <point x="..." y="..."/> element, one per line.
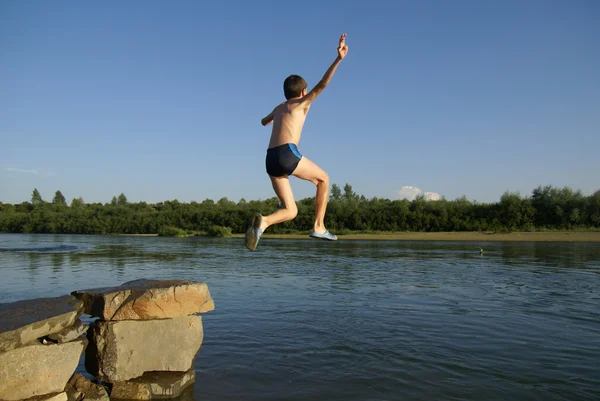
<point x="293" y="85"/>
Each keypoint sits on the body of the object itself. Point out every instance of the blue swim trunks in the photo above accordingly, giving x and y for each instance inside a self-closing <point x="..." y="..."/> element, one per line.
<point x="282" y="160"/>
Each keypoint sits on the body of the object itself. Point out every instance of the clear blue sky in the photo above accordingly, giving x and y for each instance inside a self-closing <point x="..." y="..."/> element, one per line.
<point x="162" y="100"/>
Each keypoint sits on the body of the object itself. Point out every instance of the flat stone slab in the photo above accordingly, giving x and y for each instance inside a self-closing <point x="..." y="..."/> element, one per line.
<point x="51" y="397"/>
<point x="79" y="388"/>
<point x="147" y="300"/>
<point x="38" y="369"/>
<point x="70" y="333"/>
<point x="124" y="350"/>
<point x="154" y="385"/>
<point x="25" y="321"/>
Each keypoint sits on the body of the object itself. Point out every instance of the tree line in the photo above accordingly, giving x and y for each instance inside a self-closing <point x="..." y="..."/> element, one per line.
<point x="548" y="208"/>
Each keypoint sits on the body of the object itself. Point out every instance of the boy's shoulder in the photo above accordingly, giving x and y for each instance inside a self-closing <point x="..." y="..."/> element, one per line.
<point x="290" y="106"/>
<point x="294" y="104"/>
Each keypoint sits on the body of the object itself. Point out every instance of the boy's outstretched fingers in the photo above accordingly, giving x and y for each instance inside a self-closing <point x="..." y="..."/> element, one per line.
<point x="342" y="47"/>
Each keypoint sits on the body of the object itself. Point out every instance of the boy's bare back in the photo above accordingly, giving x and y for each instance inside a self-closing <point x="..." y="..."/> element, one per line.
<point x="288" y="120"/>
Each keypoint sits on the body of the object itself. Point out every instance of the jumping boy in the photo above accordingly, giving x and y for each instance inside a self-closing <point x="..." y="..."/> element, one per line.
<point x="283" y="158"/>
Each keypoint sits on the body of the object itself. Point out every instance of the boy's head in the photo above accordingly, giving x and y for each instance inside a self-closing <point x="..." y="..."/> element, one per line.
<point x="294" y="86"/>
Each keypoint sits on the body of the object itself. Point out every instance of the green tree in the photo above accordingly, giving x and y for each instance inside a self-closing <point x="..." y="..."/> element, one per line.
<point x="122" y="200"/>
<point x="59" y="199"/>
<point x="348" y="192"/>
<point x="36" y="198"/>
<point x="77" y="202"/>
<point x="574" y="217"/>
<point x="515" y="212"/>
<point x="225" y="202"/>
<point x="556" y="208"/>
<point x="336" y="192"/>
<point x="593" y="209"/>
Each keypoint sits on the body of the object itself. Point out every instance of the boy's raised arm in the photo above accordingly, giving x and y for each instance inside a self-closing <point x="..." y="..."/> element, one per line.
<point x="342" y="51"/>
<point x="267" y="120"/>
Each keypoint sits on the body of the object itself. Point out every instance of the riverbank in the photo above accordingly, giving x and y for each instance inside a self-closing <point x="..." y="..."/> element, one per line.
<point x="560" y="236"/>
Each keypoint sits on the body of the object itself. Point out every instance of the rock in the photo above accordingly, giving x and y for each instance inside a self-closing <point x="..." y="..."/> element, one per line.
<point x="147" y="300"/>
<point x="70" y="333"/>
<point x="38" y="369"/>
<point x="79" y="388"/>
<point x="49" y="397"/>
<point x="25" y="321"/>
<point x="124" y="350"/>
<point x="154" y="385"/>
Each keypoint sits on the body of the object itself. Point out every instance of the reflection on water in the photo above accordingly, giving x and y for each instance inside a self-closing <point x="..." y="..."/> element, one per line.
<point x="356" y="320"/>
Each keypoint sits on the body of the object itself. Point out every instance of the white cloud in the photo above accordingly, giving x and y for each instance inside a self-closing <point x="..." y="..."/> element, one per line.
<point x="410" y="192"/>
<point x="18" y="170"/>
<point x="28" y="171"/>
<point x="431" y="195"/>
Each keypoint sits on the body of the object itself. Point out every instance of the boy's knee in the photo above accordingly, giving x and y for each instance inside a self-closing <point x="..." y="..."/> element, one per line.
<point x="293" y="211"/>
<point x="322" y="178"/>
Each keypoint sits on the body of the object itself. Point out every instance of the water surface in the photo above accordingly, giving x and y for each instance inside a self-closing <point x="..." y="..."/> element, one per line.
<point x="356" y="320"/>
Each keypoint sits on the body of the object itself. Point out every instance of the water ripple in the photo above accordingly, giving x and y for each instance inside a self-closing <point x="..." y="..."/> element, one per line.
<point x="357" y="320"/>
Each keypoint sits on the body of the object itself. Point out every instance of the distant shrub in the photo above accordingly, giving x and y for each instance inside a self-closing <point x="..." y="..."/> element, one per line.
<point x="171" y="231"/>
<point x="218" y="231"/>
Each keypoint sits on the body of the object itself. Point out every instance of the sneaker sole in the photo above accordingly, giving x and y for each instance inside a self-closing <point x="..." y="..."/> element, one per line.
<point x="251" y="238"/>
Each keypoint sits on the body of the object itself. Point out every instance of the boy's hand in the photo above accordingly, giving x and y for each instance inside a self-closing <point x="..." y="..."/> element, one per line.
<point x="310" y="96"/>
<point x="342" y="47"/>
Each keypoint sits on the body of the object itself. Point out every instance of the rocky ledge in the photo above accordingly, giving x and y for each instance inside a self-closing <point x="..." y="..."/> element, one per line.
<point x="142" y="346"/>
<point x="31" y="362"/>
<point x="147" y="299"/>
<point x="24" y="322"/>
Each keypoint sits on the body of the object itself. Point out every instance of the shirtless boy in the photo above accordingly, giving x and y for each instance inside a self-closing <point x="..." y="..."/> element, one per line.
<point x="283" y="158"/>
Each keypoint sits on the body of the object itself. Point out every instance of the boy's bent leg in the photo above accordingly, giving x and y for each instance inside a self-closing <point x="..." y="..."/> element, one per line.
<point x="307" y="170"/>
<point x="283" y="190"/>
<point x="258" y="223"/>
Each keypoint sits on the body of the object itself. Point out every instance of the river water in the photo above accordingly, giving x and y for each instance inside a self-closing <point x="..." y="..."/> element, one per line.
<point x="356" y="320"/>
